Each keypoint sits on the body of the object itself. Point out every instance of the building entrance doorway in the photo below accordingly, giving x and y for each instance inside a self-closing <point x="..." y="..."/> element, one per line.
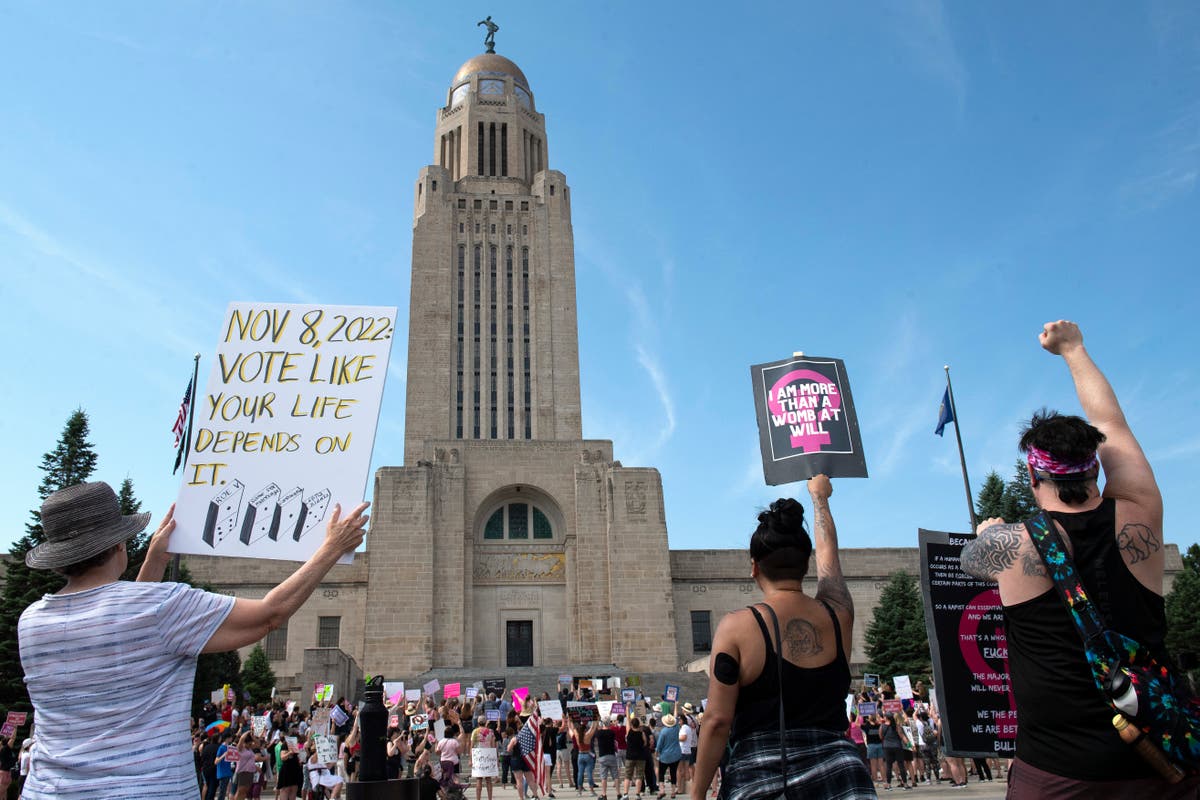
<point x="519" y="642"/>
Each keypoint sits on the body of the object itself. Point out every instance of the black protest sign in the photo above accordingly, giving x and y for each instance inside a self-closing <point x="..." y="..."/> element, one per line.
<point x="970" y="653"/>
<point x="806" y="420"/>
<point x="494" y="685"/>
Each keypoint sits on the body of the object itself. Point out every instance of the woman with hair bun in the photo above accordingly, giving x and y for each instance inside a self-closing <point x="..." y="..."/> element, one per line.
<point x="749" y="707"/>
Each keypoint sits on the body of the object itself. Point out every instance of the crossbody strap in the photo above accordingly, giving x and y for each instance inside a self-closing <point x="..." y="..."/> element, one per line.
<point x="779" y="673"/>
<point x="1066" y="579"/>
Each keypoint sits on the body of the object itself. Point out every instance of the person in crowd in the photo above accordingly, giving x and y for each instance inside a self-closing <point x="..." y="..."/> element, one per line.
<point x="635" y="756"/>
<point x="506" y="756"/>
<point x="8" y="763"/>
<point x="617" y="726"/>
<point x="94" y="621"/>
<point x="586" y="764"/>
<point x="291" y="773"/>
<point x="549" y="736"/>
<point x="856" y="735"/>
<point x="208" y="766"/>
<point x="870" y="730"/>
<point x="983" y="772"/>
<point x="929" y="750"/>
<point x="564" y="758"/>
<point x="248" y="765"/>
<point x="666" y="744"/>
<point x="323" y="774"/>
<point x="894" y="739"/>
<point x="448" y="750"/>
<point x="482" y="738"/>
<point x="23" y="763"/>
<point x="912" y="749"/>
<point x="397" y="753"/>
<point x="606" y="757"/>
<point x="687" y="744"/>
<point x="1116" y="539"/>
<point x="745" y="693"/>
<point x="225" y="764"/>
<point x="525" y="752"/>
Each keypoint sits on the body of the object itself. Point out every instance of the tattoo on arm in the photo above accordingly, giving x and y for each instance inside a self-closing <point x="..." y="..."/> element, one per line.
<point x="1137" y="542"/>
<point x="831" y="584"/>
<point x="993" y="551"/>
<point x="1033" y="566"/>
<point x="800" y="638"/>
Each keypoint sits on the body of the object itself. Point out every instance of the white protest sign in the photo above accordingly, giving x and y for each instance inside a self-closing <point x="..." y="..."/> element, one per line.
<point x="472" y="692"/>
<point x="604" y="708"/>
<point x="439" y="729"/>
<point x="432" y="687"/>
<point x="484" y="763"/>
<point x="217" y="696"/>
<point x="393" y="691"/>
<point x="551" y="709"/>
<point x="283" y="429"/>
<point x="259" y="725"/>
<point x="338" y="716"/>
<point x="320" y="721"/>
<point x="903" y="687"/>
<point x="327" y="748"/>
<point x="412" y="695"/>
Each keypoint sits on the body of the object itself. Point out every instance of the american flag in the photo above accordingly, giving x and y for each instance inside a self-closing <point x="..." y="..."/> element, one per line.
<point x="180" y="426"/>
<point x="534" y="756"/>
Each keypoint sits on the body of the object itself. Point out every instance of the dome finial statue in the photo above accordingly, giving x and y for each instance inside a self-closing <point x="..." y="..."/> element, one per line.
<point x="489" y="41"/>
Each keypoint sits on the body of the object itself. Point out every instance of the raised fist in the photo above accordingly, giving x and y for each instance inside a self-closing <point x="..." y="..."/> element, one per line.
<point x="1061" y="336"/>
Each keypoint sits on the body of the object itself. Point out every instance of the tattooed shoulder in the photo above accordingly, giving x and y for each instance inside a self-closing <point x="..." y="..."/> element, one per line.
<point x="1033" y="566"/>
<point x="1137" y="542"/>
<point x="993" y="551"/>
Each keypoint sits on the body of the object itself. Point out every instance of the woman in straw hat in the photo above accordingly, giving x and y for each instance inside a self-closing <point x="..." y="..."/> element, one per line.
<point x="779" y="672"/>
<point x="99" y="640"/>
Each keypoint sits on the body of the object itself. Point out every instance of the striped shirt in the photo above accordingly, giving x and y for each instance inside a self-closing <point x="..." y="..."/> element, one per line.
<point x="110" y="672"/>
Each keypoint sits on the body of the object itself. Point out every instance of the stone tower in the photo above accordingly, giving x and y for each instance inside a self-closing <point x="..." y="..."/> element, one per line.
<point x="506" y="539"/>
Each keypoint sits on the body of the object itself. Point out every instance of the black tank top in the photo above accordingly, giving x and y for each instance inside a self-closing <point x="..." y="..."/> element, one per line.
<point x="1064" y="725"/>
<point x="815" y="697"/>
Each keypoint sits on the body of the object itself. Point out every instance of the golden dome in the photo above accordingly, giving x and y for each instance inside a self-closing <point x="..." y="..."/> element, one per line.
<point x="489" y="62"/>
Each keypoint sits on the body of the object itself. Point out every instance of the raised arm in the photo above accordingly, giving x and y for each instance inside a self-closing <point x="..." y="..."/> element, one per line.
<point x="831" y="583"/>
<point x="1127" y="473"/>
<point x="157" y="557"/>
<point x="251" y="620"/>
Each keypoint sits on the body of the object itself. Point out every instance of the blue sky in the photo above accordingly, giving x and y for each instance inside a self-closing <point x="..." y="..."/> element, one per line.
<point x="902" y="185"/>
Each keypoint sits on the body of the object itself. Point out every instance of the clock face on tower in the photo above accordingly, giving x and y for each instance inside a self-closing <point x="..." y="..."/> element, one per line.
<point x="491" y="87"/>
<point x="459" y="94"/>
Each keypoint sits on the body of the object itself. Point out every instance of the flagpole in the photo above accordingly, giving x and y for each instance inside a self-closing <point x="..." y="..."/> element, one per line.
<point x="187" y="443"/>
<point x="962" y="459"/>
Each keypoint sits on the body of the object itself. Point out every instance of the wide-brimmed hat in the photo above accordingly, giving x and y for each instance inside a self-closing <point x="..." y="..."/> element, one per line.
<point x="688" y="708"/>
<point x="410" y="708"/>
<point x="668" y="720"/>
<point x="82" y="521"/>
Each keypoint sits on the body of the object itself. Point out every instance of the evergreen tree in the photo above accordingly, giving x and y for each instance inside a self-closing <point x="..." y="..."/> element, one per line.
<point x="135" y="547"/>
<point x="1183" y="618"/>
<point x="1019" y="504"/>
<point x="897" y="643"/>
<point x="991" y="497"/>
<point x="71" y="461"/>
<point x="257" y="677"/>
<point x="214" y="670"/>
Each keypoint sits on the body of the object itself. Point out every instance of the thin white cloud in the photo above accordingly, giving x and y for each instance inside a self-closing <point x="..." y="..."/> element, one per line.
<point x="1170" y="168"/>
<point x="650" y="363"/>
<point x="924" y="31"/>
<point x="1186" y="449"/>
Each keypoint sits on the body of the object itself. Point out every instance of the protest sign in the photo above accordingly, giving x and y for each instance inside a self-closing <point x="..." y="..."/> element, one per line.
<point x="452" y="690"/>
<point x="484" y="762"/>
<point x="418" y="722"/>
<point x="893" y="706"/>
<point x="283" y="430"/>
<point x="394" y="721"/>
<point x="806" y="420"/>
<point x="903" y="687"/>
<point x="671" y="693"/>
<point x="259" y="725"/>
<point x="412" y="695"/>
<point x="492" y="714"/>
<point x="867" y="709"/>
<point x="551" y="709"/>
<point x="439" y="729"/>
<point x="293" y="743"/>
<point x="494" y="685"/>
<point x="870" y="680"/>
<point x="216" y="697"/>
<point x="521" y="693"/>
<point x="393" y="691"/>
<point x="641" y="708"/>
<point x="17" y="718"/>
<point x="581" y="713"/>
<point x="327" y="693"/>
<point x="965" y="624"/>
<point x="618" y="708"/>
<point x="431" y="688"/>
<point x="7" y="730"/>
<point x="338" y="716"/>
<point x="327" y="748"/>
<point x="231" y="755"/>
<point x="604" y="708"/>
<point x="291" y="706"/>
<point x="472" y="692"/>
<point x="565" y="680"/>
<point x="320" y="721"/>
<point x="629" y="695"/>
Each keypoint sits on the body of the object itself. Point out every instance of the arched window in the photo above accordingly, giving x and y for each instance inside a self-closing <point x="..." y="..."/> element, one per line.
<point x="518" y="522"/>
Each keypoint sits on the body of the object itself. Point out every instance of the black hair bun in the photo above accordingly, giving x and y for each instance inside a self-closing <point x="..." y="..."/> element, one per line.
<point x="784" y="518"/>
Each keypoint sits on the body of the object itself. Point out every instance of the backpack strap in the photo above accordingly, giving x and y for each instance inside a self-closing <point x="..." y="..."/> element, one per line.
<point x="779" y="673"/>
<point x="1096" y="644"/>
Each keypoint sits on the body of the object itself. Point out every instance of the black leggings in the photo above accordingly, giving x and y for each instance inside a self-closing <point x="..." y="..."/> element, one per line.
<point x="894" y="755"/>
<point x="982" y="770"/>
<point x="672" y="768"/>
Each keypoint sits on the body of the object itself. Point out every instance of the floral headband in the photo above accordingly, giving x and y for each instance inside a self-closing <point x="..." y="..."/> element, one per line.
<point x="1042" y="461"/>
